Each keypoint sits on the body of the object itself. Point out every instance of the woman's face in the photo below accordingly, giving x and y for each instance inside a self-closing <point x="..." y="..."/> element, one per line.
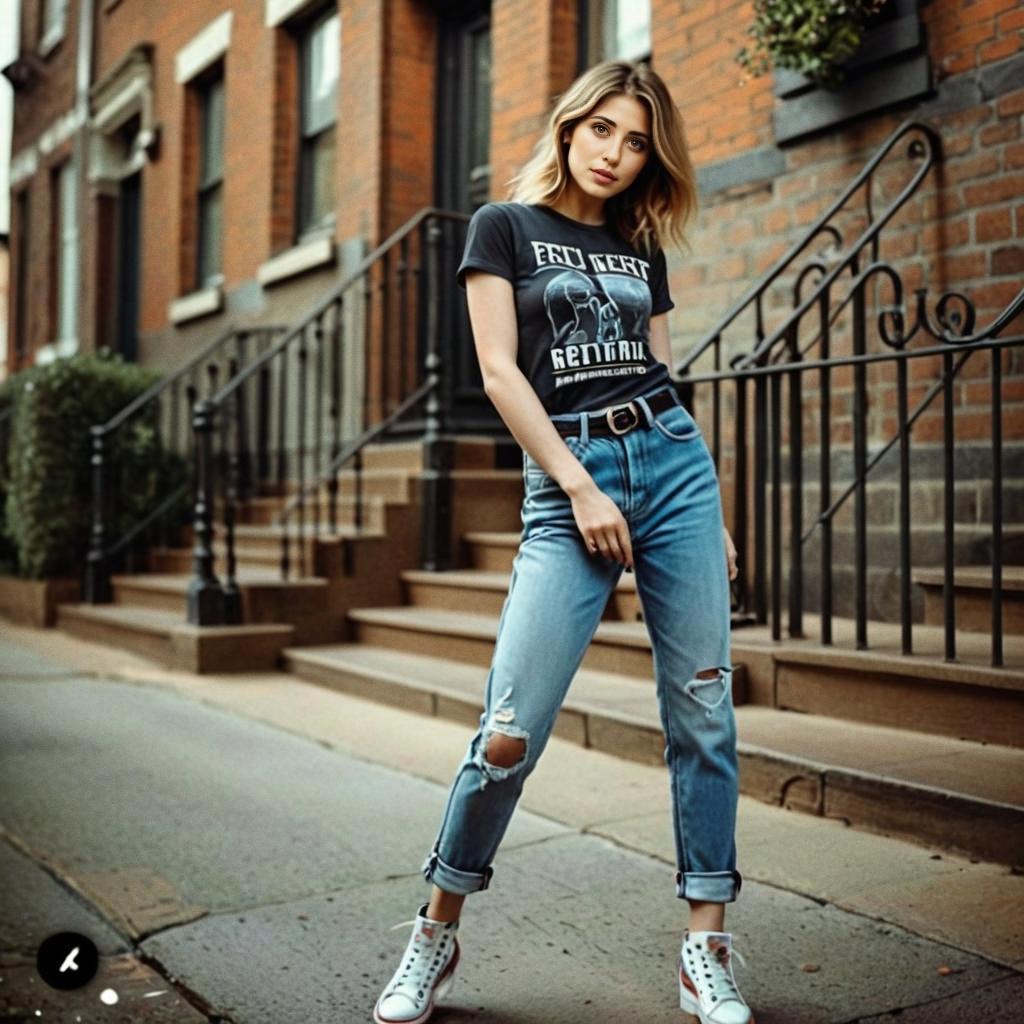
<point x="614" y="137"/>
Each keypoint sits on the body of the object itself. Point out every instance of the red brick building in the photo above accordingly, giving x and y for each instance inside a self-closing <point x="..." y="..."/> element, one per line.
<point x="167" y="173"/>
<point x="176" y="168"/>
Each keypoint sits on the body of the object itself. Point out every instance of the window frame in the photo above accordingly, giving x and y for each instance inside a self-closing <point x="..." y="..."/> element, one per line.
<point x="592" y="35"/>
<point x="205" y="84"/>
<point x="53" y="15"/>
<point x="306" y="142"/>
<point x="64" y="244"/>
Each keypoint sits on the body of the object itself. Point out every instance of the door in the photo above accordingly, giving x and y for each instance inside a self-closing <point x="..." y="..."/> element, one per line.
<point x="462" y="175"/>
<point x="129" y="253"/>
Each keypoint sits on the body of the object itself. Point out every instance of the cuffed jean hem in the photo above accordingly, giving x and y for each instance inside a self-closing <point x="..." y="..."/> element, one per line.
<point x="709" y="886"/>
<point x="451" y="879"/>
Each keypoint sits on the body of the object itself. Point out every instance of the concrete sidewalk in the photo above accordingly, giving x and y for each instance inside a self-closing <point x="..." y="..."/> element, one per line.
<point x="243" y="845"/>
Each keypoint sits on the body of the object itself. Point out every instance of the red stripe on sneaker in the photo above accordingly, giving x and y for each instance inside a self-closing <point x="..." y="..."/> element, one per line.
<point x="684" y="978"/>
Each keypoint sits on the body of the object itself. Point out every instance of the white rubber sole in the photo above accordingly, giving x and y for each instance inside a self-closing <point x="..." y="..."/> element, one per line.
<point x="440" y="992"/>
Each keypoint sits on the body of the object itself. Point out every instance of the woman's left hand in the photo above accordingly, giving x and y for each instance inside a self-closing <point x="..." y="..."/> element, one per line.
<point x="730" y="555"/>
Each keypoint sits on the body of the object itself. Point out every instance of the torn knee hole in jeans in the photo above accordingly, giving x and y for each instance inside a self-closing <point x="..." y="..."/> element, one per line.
<point x="514" y="751"/>
<point x="710" y="687"/>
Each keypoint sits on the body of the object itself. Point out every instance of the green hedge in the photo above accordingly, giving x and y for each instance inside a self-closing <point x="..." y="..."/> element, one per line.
<point x="47" y="481"/>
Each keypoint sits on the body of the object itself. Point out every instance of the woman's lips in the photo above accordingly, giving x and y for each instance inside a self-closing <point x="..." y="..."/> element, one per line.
<point x="604" y="179"/>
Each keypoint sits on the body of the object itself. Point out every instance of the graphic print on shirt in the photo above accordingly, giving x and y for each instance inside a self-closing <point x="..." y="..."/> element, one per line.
<point x="598" y="308"/>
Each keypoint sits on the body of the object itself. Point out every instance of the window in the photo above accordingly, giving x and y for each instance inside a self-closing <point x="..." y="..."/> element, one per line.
<point x="65" y="238"/>
<point x="51" y="23"/>
<point x="319" y="66"/>
<point x="210" y="197"/>
<point x="23" y="205"/>
<point x="614" y="30"/>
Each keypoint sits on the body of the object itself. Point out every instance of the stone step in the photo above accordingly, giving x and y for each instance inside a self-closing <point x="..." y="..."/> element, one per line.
<point x="381" y="486"/>
<point x="491" y="549"/>
<point x="266" y="600"/>
<point x="968" y="699"/>
<point x="622" y="647"/>
<point x="165" y="637"/>
<point x="962" y="796"/>
<point x="972" y="596"/>
<point x="480" y="590"/>
<point x="468" y="452"/>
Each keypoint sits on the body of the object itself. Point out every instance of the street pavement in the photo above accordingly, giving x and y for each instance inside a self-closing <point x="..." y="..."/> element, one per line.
<point x="242" y="848"/>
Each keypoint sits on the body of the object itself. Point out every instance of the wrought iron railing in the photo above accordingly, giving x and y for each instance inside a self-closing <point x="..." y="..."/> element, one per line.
<point x="168" y="406"/>
<point x="352" y="368"/>
<point x="779" y="356"/>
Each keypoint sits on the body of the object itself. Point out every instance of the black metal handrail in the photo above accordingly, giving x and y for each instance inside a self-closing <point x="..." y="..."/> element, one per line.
<point x="168" y="402"/>
<point x="929" y="147"/>
<point x="766" y="451"/>
<point x="323" y="410"/>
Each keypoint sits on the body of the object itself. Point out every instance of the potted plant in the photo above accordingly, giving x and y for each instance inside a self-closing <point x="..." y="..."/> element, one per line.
<point x="809" y="37"/>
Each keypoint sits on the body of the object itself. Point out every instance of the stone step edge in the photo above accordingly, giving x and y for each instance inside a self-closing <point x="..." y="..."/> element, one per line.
<point x="925" y="669"/>
<point x="174" y="623"/>
<point x="610" y="730"/>
<point x="177" y="583"/>
<point x="469" y="578"/>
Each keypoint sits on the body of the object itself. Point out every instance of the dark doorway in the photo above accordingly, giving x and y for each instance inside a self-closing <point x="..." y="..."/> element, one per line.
<point x="129" y="254"/>
<point x="462" y="174"/>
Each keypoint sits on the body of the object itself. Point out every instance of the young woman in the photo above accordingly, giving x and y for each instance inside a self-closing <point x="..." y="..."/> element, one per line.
<point x="567" y="294"/>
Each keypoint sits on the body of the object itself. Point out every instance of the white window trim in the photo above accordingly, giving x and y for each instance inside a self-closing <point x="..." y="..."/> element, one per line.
<point x="56" y="350"/>
<point x="203" y="49"/>
<point x="201" y="302"/>
<point x="317" y="252"/>
<point x="279" y="11"/>
<point x="55" y="33"/>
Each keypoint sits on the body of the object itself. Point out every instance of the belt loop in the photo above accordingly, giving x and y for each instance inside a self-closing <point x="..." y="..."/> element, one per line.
<point x="584" y="427"/>
<point x="642" y="402"/>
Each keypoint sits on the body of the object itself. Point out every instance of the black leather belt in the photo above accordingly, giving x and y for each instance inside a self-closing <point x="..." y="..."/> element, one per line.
<point x="618" y="419"/>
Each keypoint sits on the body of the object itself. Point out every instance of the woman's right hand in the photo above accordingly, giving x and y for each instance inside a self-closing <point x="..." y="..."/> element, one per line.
<point x="602" y="525"/>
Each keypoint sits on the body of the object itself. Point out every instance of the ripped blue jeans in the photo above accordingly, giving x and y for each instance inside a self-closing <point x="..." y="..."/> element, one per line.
<point x="663" y="478"/>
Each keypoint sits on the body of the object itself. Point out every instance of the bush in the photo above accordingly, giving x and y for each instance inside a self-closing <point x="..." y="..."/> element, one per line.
<point x="48" y="500"/>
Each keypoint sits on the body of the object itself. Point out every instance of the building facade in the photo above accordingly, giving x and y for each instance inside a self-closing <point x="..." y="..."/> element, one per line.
<point x="175" y="166"/>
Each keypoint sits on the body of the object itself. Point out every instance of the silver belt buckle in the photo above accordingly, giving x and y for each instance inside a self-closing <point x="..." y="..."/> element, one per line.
<point x="614" y="410"/>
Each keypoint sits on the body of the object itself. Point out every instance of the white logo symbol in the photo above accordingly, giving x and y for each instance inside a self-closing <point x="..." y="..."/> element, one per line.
<point x="69" y="961"/>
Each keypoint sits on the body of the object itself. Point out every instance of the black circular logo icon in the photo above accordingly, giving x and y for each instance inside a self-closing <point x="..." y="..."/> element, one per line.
<point x="67" y="960"/>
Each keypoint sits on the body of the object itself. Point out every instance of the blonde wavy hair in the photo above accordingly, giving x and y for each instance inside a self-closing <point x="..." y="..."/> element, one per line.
<point x="660" y="202"/>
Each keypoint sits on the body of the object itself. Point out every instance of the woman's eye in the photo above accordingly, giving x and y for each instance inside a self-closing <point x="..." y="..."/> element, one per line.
<point x="641" y="145"/>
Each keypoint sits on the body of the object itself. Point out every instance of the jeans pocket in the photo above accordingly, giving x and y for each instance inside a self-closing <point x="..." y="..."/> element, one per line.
<point x="677" y="424"/>
<point x="535" y="478"/>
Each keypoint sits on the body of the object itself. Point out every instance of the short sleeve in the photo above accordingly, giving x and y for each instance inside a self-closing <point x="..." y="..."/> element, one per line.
<point x="490" y="245"/>
<point x="661" y="301"/>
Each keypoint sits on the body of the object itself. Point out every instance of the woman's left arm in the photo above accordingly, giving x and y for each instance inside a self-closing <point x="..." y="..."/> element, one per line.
<point x="662" y="351"/>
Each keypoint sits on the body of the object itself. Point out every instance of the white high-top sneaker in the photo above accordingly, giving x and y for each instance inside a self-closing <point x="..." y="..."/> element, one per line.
<point x="707" y="988"/>
<point x="425" y="974"/>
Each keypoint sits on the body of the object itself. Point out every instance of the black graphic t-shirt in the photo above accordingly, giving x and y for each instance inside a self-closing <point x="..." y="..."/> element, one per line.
<point x="584" y="298"/>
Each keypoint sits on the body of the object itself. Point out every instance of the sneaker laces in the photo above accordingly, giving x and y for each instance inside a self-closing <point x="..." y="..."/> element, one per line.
<point x="722" y="969"/>
<point x="420" y="966"/>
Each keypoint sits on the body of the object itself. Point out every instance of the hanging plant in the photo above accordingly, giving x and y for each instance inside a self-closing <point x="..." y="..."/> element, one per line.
<point x="811" y="37"/>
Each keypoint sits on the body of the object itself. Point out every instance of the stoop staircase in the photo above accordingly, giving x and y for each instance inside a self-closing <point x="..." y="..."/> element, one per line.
<point x="914" y="734"/>
<point x="914" y="748"/>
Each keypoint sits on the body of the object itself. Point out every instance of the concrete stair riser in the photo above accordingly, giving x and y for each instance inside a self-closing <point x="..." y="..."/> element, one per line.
<point x="174" y="643"/>
<point x="493" y="554"/>
<point x="623" y="604"/>
<point x="979" y="713"/>
<point x="970" y="826"/>
<point x="264" y="512"/>
<point x="151" y="643"/>
<point x="605" y="656"/>
<point x="974" y="612"/>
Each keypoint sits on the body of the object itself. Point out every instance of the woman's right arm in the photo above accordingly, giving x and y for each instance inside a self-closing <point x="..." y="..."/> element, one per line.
<point x="492" y="315"/>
